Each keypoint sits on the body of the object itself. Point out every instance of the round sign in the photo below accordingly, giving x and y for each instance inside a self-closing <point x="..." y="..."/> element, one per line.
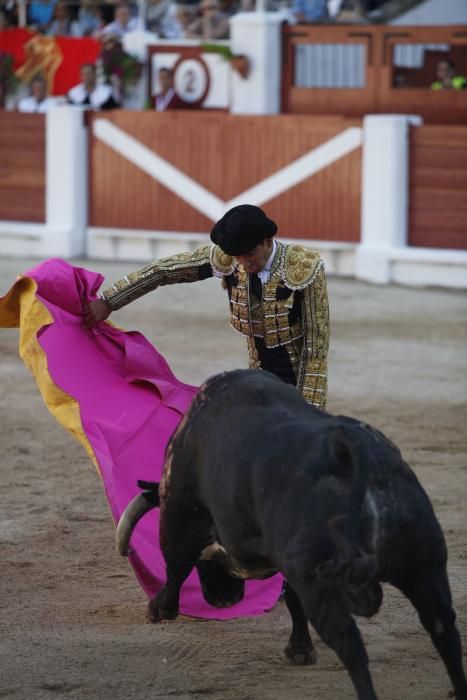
<point x="191" y="80"/>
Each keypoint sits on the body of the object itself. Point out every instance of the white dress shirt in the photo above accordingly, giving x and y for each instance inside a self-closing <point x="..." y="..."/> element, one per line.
<point x="101" y="93"/>
<point x="30" y="104"/>
<point x="265" y="274"/>
<point x="163" y="100"/>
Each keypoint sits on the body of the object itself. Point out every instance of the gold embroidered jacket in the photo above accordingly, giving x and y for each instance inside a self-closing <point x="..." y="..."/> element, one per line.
<point x="287" y="329"/>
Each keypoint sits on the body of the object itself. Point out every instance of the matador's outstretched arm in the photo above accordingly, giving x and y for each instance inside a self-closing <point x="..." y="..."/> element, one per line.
<point x="184" y="267"/>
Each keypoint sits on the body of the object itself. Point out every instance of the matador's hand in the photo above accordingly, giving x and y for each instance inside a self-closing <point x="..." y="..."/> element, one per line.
<point x="96" y="311"/>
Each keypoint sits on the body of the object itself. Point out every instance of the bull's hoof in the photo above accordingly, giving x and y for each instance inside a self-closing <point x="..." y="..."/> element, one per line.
<point x="300" y="655"/>
<point x="157" y="613"/>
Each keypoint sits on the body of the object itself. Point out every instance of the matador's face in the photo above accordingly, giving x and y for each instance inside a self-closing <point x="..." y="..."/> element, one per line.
<point x="256" y="259"/>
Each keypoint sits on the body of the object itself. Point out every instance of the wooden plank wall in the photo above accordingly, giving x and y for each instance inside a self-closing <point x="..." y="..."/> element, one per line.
<point x="438" y="187"/>
<point x="227" y="155"/>
<point x="347" y="102"/>
<point x="379" y="94"/>
<point x="22" y="167"/>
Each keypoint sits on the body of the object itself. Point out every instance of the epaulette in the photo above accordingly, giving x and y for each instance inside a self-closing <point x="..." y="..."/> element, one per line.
<point x="300" y="266"/>
<point x="221" y="262"/>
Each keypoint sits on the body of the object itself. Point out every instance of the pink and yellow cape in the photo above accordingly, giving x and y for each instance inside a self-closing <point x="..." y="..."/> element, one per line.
<point x="117" y="396"/>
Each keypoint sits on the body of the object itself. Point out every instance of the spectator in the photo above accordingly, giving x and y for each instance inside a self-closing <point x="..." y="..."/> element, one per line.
<point x="4" y="23"/>
<point x="310" y="10"/>
<point x="282" y="6"/>
<point x="167" y="98"/>
<point x="8" y="14"/>
<point x="122" y="23"/>
<point x="185" y="15"/>
<point x="107" y="11"/>
<point x="230" y="7"/>
<point x="90" y="18"/>
<point x="161" y="17"/>
<point x="447" y="78"/>
<point x="38" y="101"/>
<point x="89" y="93"/>
<point x="351" y="12"/>
<point x="213" y="23"/>
<point x="40" y="14"/>
<point x="62" y="23"/>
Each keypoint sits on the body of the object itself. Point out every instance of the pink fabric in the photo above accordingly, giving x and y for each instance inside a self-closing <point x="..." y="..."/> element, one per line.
<point x="130" y="403"/>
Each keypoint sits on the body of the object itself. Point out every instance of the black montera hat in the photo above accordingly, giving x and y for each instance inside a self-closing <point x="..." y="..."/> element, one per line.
<point x="241" y="229"/>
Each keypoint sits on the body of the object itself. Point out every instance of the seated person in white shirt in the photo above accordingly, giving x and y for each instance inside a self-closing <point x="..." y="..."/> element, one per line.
<point x="38" y="101"/>
<point x="63" y="24"/>
<point x="91" y="94"/>
<point x="123" y="21"/>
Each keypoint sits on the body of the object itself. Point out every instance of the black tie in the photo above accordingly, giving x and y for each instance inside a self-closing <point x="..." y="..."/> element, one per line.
<point x="256" y="286"/>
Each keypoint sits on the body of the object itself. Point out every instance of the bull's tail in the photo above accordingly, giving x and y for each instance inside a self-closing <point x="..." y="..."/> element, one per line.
<point x="139" y="506"/>
<point x="352" y="570"/>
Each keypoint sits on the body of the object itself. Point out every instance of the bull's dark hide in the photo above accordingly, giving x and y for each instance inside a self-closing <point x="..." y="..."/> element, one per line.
<point x="258" y="481"/>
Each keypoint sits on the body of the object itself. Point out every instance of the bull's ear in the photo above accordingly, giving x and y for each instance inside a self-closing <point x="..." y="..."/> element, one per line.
<point x="150" y="491"/>
<point x="148" y="486"/>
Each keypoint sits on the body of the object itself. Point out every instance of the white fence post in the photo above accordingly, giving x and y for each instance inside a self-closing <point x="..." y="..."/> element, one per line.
<point x="66" y="183"/>
<point x="257" y="35"/>
<point x="385" y="194"/>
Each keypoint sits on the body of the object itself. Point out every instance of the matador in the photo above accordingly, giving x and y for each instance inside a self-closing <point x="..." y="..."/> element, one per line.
<point x="277" y="294"/>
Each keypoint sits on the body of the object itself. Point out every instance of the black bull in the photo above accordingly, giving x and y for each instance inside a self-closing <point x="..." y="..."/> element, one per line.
<point x="257" y="481"/>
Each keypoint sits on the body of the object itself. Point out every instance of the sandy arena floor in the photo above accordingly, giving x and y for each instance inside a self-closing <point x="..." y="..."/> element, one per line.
<point x="72" y="615"/>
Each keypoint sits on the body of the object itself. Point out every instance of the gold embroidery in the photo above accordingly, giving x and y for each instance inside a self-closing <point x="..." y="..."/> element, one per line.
<point x="306" y="340"/>
<point x="254" y="362"/>
<point x="312" y="376"/>
<point x="221" y="262"/>
<point x="183" y="267"/>
<point x="300" y="266"/>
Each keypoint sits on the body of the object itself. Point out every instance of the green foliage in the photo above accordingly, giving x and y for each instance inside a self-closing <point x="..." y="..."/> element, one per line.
<point x="222" y="50"/>
<point x="116" y="62"/>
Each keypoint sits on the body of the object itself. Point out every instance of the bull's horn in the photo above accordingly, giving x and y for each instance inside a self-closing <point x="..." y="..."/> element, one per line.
<point x="139" y="506"/>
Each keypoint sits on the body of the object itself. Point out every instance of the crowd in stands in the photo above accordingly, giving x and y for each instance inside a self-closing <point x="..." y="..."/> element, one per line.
<point x="170" y="19"/>
<point x="109" y="20"/>
<point x="88" y="93"/>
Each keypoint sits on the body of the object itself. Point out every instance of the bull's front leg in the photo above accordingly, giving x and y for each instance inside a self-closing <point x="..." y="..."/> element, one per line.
<point x="165" y="606"/>
<point x="185" y="529"/>
<point x="299" y="650"/>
